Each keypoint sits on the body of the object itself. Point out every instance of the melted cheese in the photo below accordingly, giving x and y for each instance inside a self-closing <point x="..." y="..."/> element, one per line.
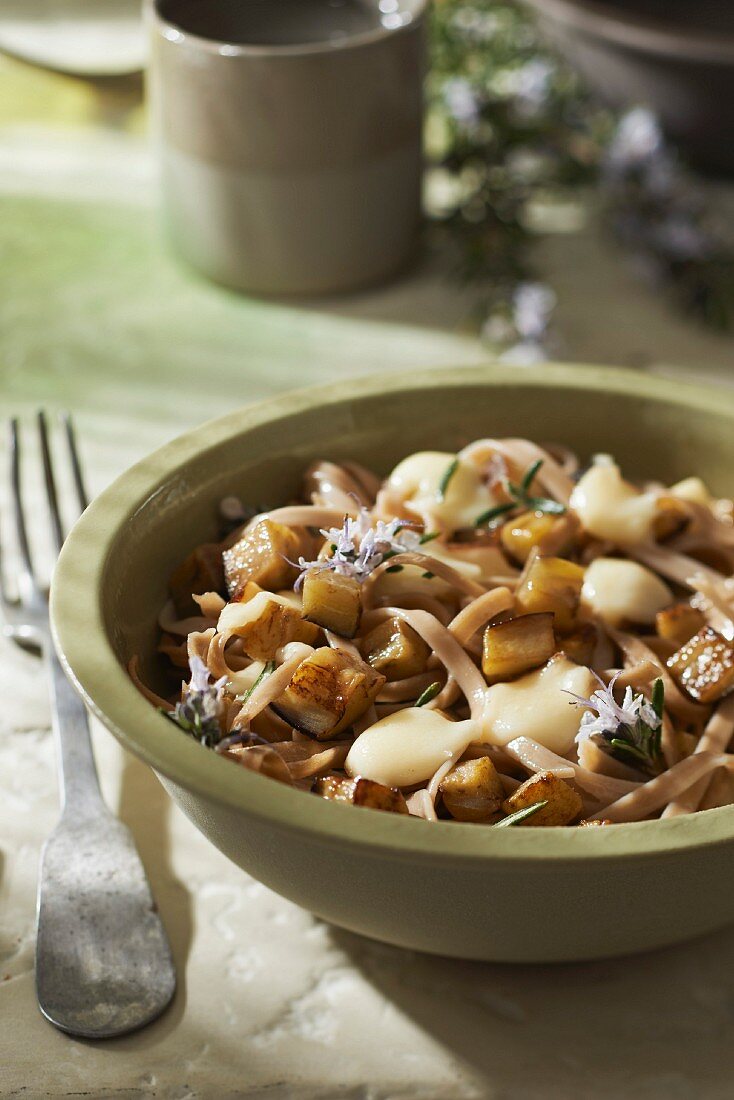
<point x="624" y="592"/>
<point x="610" y="508"/>
<point x="408" y="747"/>
<point x="694" y="490"/>
<point x="535" y="706"/>
<point x="417" y="479"/>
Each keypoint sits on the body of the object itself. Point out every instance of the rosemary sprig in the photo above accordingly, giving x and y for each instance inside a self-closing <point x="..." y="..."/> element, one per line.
<point x="428" y="537"/>
<point x="446" y="478"/>
<point x="430" y="693"/>
<point x="521" y="498"/>
<point x="195" y="719"/>
<point x="520" y="815"/>
<point x="266" y="671"/>
<point x="640" y="743"/>
<point x="630" y="731"/>
<point x="494" y="513"/>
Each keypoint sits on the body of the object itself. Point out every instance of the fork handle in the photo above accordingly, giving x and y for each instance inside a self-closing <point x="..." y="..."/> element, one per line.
<point x="80" y="793"/>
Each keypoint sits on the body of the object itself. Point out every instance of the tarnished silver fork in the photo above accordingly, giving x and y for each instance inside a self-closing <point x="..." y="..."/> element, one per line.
<point x="103" y="963"/>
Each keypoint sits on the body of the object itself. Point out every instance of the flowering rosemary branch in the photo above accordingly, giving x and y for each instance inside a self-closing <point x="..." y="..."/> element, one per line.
<point x="358" y="547"/>
<point x="519" y="815"/>
<point x="511" y="130"/>
<point x="630" y="731"/>
<point x="199" y="712"/>
<point x="521" y="498"/>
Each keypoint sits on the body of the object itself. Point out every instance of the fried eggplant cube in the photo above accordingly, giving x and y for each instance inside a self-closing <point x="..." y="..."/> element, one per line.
<point x="328" y="691"/>
<point x="580" y="644"/>
<point x="679" y="623"/>
<point x="202" y="571"/>
<point x="516" y="646"/>
<point x="361" y="792"/>
<point x="537" y="530"/>
<point x="264" y="555"/>
<point x="563" y="803"/>
<point x="333" y="601"/>
<point x="551" y="584"/>
<point x="473" y="791"/>
<point x="394" y="649"/>
<point x="704" y="666"/>
<point x="672" y="516"/>
<point x="265" y="623"/>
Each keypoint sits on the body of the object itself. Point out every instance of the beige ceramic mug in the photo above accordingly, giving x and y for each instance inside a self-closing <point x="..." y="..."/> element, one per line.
<point x="290" y="137"/>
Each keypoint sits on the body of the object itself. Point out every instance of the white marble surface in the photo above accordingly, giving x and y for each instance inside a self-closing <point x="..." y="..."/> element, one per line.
<point x="271" y="1002"/>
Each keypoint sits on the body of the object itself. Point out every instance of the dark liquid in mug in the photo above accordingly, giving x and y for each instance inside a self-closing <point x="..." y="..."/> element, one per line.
<point x="272" y="22"/>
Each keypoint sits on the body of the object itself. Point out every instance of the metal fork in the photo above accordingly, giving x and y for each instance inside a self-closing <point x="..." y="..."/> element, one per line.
<point x="103" y="962"/>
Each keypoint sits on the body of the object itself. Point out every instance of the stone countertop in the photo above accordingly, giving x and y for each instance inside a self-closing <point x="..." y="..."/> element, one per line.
<point x="95" y="316"/>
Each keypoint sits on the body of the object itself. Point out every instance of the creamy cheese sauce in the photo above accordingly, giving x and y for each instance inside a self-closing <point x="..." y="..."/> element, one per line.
<point x="536" y="707"/>
<point x="408" y="747"/>
<point x="621" y="591"/>
<point x="610" y="508"/>
<point x="692" y="489"/>
<point x="418" y="480"/>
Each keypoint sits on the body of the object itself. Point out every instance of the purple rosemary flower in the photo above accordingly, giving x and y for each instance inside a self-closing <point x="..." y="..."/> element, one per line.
<point x="359" y="546"/>
<point x="199" y="712"/>
<point x="630" y="730"/>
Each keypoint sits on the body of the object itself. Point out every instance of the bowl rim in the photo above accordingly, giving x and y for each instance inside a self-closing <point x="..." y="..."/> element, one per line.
<point x="164" y="26"/>
<point x="87" y="655"/>
<point x="640" y="32"/>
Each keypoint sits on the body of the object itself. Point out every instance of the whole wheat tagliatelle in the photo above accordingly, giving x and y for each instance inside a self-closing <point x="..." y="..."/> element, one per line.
<point x="498" y="636"/>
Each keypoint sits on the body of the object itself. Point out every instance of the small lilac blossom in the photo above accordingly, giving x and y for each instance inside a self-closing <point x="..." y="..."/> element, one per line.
<point x="461" y="102"/>
<point x="604" y="715"/>
<point x="530" y="86"/>
<point x="532" y="305"/>
<point x="637" y="141"/>
<point x="199" y="712"/>
<point x="361" y="546"/>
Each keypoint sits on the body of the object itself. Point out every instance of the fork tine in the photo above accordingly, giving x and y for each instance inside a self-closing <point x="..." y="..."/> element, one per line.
<point x="76" y="466"/>
<point x="52" y="497"/>
<point x="4" y="594"/>
<point x="26" y="578"/>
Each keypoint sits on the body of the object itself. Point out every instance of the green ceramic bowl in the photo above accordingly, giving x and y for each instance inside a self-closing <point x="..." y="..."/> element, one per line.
<point x="454" y="889"/>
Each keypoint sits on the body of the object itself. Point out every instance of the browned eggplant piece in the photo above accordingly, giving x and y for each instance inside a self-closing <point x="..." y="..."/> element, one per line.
<point x="538" y="531"/>
<point x="580" y="644"/>
<point x="551" y="584"/>
<point x="264" y="555"/>
<point x="332" y="601"/>
<point x="473" y="791"/>
<point x="516" y="646"/>
<point x="563" y="803"/>
<point x="361" y="792"/>
<point x="679" y="622"/>
<point x="394" y="649"/>
<point x="704" y="666"/>
<point x="329" y="690"/>
<point x="672" y="516"/>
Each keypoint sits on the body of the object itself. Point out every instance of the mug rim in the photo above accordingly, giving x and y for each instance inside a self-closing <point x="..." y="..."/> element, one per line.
<point x="222" y="48"/>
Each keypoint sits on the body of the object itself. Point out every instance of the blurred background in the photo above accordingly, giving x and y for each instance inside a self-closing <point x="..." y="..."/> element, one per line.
<point x="576" y="198"/>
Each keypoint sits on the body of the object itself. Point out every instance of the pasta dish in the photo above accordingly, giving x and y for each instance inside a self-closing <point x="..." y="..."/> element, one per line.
<point x="501" y="636"/>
